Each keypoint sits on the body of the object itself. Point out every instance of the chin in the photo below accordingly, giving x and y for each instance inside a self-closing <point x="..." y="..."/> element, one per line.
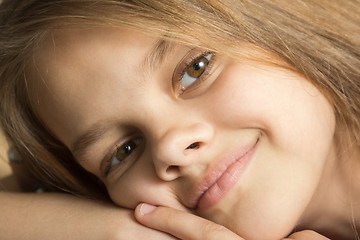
<point x="260" y="223"/>
<point x="260" y="232"/>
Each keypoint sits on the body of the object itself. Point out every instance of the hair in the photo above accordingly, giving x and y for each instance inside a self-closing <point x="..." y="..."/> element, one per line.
<point x="319" y="39"/>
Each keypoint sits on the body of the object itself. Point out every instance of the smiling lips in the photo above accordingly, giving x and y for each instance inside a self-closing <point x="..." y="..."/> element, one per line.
<point x="221" y="177"/>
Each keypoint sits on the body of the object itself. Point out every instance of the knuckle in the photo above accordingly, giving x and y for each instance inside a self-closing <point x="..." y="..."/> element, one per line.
<point x="211" y="229"/>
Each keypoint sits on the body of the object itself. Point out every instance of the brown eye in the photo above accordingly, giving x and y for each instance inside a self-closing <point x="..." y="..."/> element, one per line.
<point x="197" y="67"/>
<point x="194" y="71"/>
<point x="126" y="149"/>
<point x="122" y="155"/>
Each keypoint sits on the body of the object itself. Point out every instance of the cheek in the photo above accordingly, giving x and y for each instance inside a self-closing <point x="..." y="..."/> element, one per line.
<point x="237" y="99"/>
<point x="140" y="184"/>
<point x="283" y="105"/>
<point x="270" y="200"/>
<point x="298" y="125"/>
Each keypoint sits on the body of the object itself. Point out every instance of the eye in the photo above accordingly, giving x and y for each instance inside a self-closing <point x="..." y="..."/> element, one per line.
<point x="193" y="71"/>
<point x="122" y="154"/>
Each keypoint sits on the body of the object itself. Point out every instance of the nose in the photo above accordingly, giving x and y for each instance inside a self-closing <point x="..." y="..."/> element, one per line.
<point x="179" y="148"/>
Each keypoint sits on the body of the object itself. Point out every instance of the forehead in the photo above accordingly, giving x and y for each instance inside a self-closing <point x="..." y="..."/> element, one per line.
<point x="69" y="53"/>
<point x="70" y="70"/>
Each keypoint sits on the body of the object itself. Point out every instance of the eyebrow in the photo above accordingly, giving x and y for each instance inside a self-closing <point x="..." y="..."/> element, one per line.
<point x="157" y="55"/>
<point x="96" y="132"/>
<point x="89" y="138"/>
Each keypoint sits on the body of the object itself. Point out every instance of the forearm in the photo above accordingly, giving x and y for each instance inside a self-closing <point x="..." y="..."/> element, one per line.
<point x="61" y="216"/>
<point x="47" y="216"/>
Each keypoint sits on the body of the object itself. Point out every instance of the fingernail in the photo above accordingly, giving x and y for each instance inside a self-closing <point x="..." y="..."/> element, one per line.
<point x="146" y="208"/>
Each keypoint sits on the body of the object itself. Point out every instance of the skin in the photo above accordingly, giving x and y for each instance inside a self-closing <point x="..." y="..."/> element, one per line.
<point x="162" y="218"/>
<point x="237" y="106"/>
<point x="62" y="216"/>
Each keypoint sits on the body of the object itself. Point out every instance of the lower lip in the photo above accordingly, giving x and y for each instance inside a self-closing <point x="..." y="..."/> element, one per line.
<point x="224" y="184"/>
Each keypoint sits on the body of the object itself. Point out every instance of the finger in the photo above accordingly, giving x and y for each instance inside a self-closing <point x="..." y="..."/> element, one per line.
<point x="306" y="235"/>
<point x="181" y="224"/>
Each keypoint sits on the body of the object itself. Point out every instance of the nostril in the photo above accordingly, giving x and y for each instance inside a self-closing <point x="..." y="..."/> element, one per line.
<point x="194" y="145"/>
<point x="172" y="169"/>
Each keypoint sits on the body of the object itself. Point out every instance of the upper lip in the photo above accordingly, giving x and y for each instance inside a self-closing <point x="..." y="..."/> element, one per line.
<point x="216" y="171"/>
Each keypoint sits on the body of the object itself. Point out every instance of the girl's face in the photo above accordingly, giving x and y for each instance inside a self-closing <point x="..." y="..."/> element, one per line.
<point x="240" y="143"/>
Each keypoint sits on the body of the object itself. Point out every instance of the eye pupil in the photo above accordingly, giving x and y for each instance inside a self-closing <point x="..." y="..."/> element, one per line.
<point x="125" y="150"/>
<point x="198" y="67"/>
<point x="128" y="147"/>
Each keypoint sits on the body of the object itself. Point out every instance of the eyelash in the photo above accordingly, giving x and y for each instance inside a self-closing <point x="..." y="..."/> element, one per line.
<point x="190" y="60"/>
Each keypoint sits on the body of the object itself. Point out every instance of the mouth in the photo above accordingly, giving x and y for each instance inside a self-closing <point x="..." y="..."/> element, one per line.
<point x="221" y="177"/>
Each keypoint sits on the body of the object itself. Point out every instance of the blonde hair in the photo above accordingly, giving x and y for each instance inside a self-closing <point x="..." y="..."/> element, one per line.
<point x="319" y="39"/>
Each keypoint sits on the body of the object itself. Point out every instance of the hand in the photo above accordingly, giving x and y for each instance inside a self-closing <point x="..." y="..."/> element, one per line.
<point x="306" y="235"/>
<point x="182" y="225"/>
<point x="187" y="226"/>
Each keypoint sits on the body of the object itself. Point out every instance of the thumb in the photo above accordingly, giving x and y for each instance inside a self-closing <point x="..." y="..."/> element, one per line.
<point x="180" y="224"/>
<point x="306" y="235"/>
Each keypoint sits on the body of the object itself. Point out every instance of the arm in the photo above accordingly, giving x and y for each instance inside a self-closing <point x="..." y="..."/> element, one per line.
<point x="61" y="216"/>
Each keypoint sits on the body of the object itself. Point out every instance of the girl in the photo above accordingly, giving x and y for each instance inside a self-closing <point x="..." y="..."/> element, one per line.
<point x="241" y="112"/>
